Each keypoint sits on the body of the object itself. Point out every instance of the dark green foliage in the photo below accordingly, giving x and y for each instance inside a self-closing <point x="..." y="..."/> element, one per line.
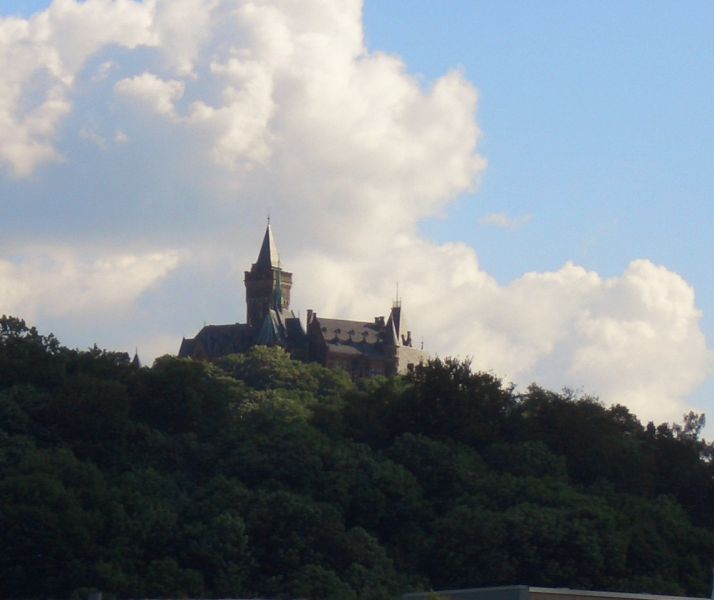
<point x="260" y="476"/>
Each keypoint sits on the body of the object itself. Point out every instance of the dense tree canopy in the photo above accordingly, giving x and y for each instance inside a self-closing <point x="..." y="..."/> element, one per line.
<point x="258" y="475"/>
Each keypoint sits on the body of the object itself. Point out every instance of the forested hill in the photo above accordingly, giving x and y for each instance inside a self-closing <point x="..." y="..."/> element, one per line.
<point x="259" y="476"/>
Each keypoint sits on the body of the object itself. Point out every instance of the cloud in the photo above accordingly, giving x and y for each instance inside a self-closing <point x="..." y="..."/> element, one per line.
<point x="633" y="339"/>
<point x="150" y="91"/>
<point x="504" y="221"/>
<point x="104" y="70"/>
<point x="181" y="27"/>
<point x="93" y="137"/>
<point x="40" y="59"/>
<point x="60" y="282"/>
<point x="253" y="106"/>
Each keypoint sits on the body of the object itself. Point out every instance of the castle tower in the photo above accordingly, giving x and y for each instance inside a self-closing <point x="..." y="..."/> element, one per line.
<point x="266" y="284"/>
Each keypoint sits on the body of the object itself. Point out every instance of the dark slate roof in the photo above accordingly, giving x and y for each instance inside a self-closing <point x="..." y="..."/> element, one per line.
<point x="395" y="318"/>
<point x="279" y="327"/>
<point x="344" y="331"/>
<point x="218" y="340"/>
<point x="294" y="328"/>
<point x="354" y="338"/>
<point x="268" y="255"/>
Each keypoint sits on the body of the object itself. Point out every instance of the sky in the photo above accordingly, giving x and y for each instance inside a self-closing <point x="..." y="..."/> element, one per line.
<point x="536" y="176"/>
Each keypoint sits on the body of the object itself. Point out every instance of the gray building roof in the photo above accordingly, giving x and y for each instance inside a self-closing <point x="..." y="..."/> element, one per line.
<point x="217" y="340"/>
<point x="344" y="331"/>
<point x="525" y="592"/>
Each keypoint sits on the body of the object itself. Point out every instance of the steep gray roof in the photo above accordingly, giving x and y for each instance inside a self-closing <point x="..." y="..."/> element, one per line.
<point x="268" y="255"/>
<point x="348" y="338"/>
<point x="344" y="331"/>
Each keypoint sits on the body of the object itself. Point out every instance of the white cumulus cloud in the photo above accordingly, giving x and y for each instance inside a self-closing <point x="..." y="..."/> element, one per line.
<point x="148" y="90"/>
<point x="60" y="282"/>
<point x="40" y="58"/>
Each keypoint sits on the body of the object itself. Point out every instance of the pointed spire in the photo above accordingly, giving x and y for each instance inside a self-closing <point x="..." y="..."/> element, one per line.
<point x="391" y="336"/>
<point x="268" y="255"/>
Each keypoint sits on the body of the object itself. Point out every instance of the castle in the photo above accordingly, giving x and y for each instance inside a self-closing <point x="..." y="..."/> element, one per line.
<point x="362" y="348"/>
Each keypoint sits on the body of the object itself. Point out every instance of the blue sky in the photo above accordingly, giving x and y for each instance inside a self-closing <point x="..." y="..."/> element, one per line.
<point x="597" y="122"/>
<point x="596" y="129"/>
<point x="598" y="125"/>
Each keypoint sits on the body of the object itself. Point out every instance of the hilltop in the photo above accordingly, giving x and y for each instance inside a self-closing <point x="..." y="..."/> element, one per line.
<point x="256" y="474"/>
